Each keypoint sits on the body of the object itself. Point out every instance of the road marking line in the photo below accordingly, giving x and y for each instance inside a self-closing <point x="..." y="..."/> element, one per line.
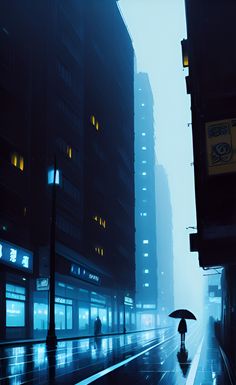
<point x="194" y="365"/>
<point x="118" y="365"/>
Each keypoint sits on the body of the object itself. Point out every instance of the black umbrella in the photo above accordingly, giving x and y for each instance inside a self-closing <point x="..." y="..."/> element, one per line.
<point x="182" y="313"/>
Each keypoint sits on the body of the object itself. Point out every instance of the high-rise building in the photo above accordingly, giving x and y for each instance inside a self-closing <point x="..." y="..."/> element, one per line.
<point x="164" y="246"/>
<point x="67" y="93"/>
<point x="145" y="209"/>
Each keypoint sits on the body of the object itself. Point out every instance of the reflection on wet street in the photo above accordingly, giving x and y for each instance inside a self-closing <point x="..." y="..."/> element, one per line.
<point x="153" y="357"/>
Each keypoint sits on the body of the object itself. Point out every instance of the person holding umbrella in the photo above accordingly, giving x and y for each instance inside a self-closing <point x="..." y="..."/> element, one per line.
<point x="182" y="329"/>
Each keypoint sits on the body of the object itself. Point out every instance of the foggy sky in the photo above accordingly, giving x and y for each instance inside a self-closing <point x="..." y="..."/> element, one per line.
<point x="157" y="28"/>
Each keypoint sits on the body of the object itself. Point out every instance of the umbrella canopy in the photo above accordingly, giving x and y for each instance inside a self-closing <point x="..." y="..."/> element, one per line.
<point x="182" y="313"/>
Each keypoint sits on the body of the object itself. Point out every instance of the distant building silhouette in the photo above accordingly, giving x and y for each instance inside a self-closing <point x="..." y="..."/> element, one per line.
<point x="164" y="246"/>
<point x="145" y="210"/>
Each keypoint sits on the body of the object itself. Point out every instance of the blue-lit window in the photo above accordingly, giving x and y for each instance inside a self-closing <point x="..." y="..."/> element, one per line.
<point x="40" y="316"/>
<point x="51" y="176"/>
<point x="15" y="306"/>
<point x="144" y="173"/>
<point x="84" y="318"/>
<point x="146" y="284"/>
<point x="145" y="254"/>
<point x="143" y="134"/>
<point x="144" y="148"/>
<point x="145" y="241"/>
<point x="63" y="313"/>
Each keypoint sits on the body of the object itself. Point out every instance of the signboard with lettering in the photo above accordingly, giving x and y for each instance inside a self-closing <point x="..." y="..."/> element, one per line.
<point x="221" y="146"/>
<point x="16" y="256"/>
<point x="84" y="274"/>
<point x="42" y="284"/>
<point x="128" y="301"/>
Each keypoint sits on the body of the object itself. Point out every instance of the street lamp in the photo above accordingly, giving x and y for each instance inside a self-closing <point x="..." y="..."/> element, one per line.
<point x="53" y="178"/>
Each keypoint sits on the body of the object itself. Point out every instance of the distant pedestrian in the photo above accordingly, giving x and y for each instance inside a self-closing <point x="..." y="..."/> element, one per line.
<point x="182" y="329"/>
<point x="97" y="326"/>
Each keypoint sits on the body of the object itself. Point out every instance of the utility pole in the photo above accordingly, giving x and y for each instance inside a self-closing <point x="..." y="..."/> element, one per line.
<point x="51" y="335"/>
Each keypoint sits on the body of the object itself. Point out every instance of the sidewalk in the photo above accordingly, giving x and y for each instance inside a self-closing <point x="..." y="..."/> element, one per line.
<point x="213" y="365"/>
<point x="43" y="340"/>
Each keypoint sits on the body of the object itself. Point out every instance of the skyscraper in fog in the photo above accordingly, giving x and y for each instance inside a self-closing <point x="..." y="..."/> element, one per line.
<point x="164" y="246"/>
<point x="145" y="209"/>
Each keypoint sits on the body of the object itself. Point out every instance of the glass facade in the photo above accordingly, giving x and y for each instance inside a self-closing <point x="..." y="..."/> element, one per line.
<point x="15" y="306"/>
<point x="63" y="313"/>
<point x="83" y="319"/>
<point x="40" y="316"/>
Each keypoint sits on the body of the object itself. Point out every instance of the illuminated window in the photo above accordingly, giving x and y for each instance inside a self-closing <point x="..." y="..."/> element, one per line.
<point x="17" y="161"/>
<point x="146" y="284"/>
<point x="144" y="161"/>
<point x="100" y="220"/>
<point x="145" y="254"/>
<point x="15" y="306"/>
<point x="144" y="188"/>
<point x="99" y="251"/>
<point x="14" y="159"/>
<point x="146" y="271"/>
<point x="144" y="173"/>
<point x="94" y="122"/>
<point x="21" y="167"/>
<point x="144" y="148"/>
<point x="143" y="104"/>
<point x="69" y="151"/>
<point x="184" y="44"/>
<point x="143" y="134"/>
<point x="145" y="241"/>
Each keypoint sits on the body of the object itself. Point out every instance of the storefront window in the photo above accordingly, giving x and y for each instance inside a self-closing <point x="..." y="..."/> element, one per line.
<point x="40" y="316"/>
<point x="63" y="313"/>
<point x="15" y="306"/>
<point x="69" y="317"/>
<point x="110" y="317"/>
<point x="60" y="316"/>
<point x="83" y="319"/>
<point x="103" y="317"/>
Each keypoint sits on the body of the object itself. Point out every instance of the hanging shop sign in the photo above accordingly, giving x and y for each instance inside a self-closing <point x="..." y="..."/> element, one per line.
<point x="85" y="274"/>
<point x="221" y="146"/>
<point x="42" y="284"/>
<point x="16" y="256"/>
<point x="128" y="301"/>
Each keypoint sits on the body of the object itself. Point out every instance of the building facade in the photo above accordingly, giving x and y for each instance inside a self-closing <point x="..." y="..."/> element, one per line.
<point x="145" y="209"/>
<point x="211" y="83"/>
<point x="164" y="247"/>
<point x="68" y="98"/>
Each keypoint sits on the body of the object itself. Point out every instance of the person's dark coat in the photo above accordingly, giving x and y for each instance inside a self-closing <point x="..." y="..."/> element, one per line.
<point x="182" y="328"/>
<point x="97" y="326"/>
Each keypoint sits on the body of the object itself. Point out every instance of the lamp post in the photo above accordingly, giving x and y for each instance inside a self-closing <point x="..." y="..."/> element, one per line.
<point x="51" y="335"/>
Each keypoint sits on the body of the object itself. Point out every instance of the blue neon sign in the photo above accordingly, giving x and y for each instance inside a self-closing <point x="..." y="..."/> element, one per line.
<point x="16" y="256"/>
<point x="84" y="274"/>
